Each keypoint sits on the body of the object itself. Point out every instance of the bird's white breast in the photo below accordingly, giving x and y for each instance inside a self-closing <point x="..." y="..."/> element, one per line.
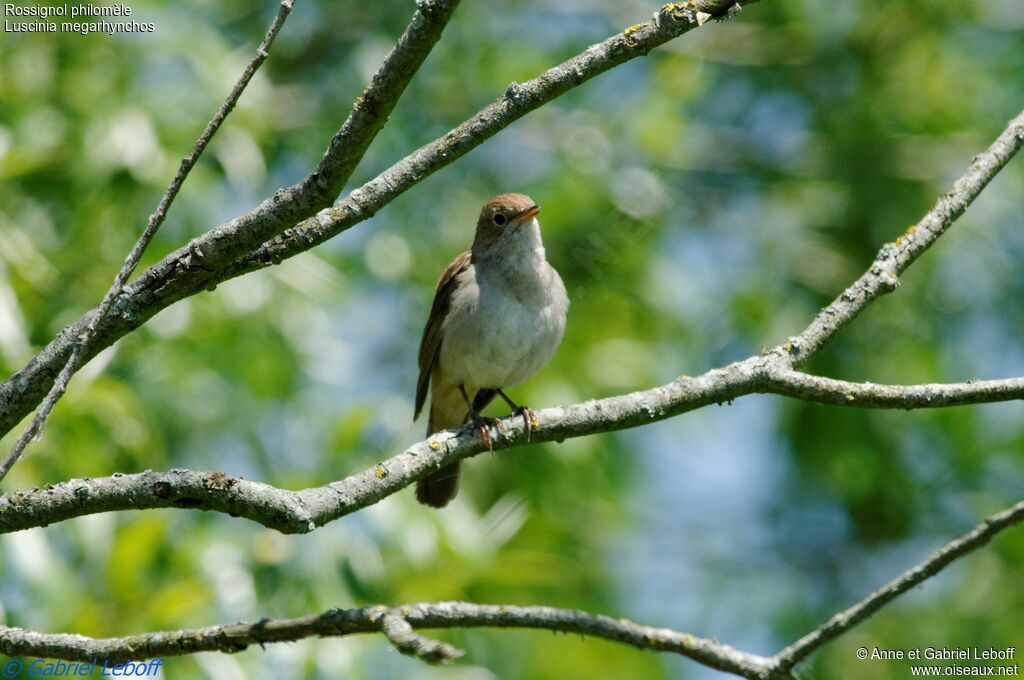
<point x="503" y="323"/>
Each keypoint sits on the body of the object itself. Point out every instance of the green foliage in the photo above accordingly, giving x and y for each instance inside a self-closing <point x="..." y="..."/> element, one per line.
<point x="700" y="204"/>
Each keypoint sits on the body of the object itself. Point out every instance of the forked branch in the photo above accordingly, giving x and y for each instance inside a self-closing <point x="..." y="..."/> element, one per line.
<point x="400" y="624"/>
<point x="241" y="245"/>
<point x="303" y="511"/>
<point x="80" y="345"/>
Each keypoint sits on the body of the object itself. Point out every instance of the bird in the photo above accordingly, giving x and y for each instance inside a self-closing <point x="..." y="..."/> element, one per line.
<point x="498" y="315"/>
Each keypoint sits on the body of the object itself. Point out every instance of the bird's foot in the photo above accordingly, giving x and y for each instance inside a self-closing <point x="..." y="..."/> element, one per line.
<point x="484" y="425"/>
<point x="529" y="417"/>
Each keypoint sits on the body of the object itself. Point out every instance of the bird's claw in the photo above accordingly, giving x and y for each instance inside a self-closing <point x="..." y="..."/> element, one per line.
<point x="528" y="418"/>
<point x="483" y="424"/>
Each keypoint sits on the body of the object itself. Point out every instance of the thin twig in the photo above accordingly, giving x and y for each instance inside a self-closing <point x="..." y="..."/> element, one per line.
<point x="80" y="347"/>
<point x="843" y="621"/>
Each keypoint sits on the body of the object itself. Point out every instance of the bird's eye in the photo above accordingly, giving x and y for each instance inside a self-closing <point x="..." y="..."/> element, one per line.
<point x="499" y="219"/>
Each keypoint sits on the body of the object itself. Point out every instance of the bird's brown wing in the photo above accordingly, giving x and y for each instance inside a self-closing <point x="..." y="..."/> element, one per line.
<point x="430" y="345"/>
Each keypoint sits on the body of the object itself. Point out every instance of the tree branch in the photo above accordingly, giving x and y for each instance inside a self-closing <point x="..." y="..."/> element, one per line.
<point x="672" y="21"/>
<point x="407" y="641"/>
<point x="375" y="619"/>
<point x="140" y="301"/>
<point x="215" y="257"/>
<point x="843" y="621"/>
<point x="238" y="247"/>
<point x="302" y="511"/>
<point x="894" y="258"/>
<point x="870" y="395"/>
<point x="80" y="344"/>
<point x="399" y="623"/>
<point x="306" y="510"/>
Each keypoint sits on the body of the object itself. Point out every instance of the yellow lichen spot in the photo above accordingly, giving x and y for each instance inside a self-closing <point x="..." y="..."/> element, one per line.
<point x="633" y="29"/>
<point x="911" y="229"/>
<point x="434" y="446"/>
<point x="534" y="423"/>
<point x="789" y="347"/>
<point x="380" y="471"/>
<point x="406" y="611"/>
<point x="675" y="6"/>
<point x="850" y="397"/>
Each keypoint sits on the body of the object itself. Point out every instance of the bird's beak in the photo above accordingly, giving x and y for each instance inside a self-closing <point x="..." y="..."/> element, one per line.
<point x="527" y="214"/>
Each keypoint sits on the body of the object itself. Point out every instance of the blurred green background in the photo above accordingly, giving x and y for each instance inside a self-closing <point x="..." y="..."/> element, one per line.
<point x="701" y="204"/>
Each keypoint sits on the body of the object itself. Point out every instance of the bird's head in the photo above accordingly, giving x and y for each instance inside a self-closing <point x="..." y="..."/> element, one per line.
<point x="507" y="224"/>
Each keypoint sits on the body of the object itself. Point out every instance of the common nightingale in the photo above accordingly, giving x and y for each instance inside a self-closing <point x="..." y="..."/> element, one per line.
<point x="498" y="315"/>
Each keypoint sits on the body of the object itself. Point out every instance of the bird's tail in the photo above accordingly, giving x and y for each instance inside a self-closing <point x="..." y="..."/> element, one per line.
<point x="447" y="409"/>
